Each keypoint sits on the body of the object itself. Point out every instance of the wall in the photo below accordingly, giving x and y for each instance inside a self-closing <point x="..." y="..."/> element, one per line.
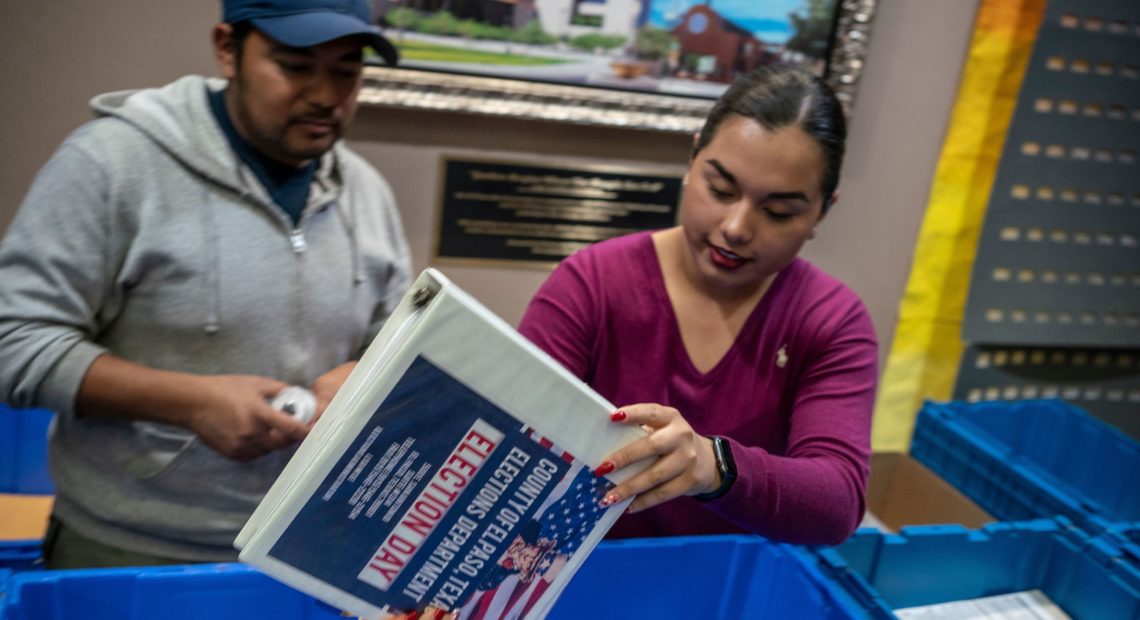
<point x="59" y="54"/>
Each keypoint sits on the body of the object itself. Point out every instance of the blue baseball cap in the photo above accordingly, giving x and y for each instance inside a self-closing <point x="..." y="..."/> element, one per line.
<point x="305" y="23"/>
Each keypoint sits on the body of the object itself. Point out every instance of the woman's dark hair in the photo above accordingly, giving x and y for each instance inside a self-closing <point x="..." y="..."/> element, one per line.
<point x="778" y="96"/>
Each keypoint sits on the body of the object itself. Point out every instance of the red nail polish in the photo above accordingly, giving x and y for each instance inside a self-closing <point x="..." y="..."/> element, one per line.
<point x="412" y="615"/>
<point x="617" y="416"/>
<point x="439" y="614"/>
<point x="605" y="468"/>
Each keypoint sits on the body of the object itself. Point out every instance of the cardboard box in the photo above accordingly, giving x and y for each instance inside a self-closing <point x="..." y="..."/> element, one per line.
<point x="903" y="492"/>
<point x="24" y="517"/>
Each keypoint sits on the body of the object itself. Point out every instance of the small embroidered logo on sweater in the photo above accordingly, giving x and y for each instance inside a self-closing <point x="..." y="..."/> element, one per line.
<point x="782" y="356"/>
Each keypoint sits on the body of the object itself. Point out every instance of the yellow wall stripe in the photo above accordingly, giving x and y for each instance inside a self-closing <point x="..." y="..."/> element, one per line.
<point x="927" y="345"/>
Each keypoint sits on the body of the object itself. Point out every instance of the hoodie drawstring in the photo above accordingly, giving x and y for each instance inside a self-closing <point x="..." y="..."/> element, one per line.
<point x="211" y="242"/>
<point x="348" y="220"/>
<point x="213" y="266"/>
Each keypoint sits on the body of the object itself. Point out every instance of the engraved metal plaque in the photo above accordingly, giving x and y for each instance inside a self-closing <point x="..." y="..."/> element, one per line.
<point x="530" y="214"/>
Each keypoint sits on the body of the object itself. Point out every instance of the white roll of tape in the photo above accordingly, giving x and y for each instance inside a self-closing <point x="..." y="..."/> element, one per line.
<point x="297" y="402"/>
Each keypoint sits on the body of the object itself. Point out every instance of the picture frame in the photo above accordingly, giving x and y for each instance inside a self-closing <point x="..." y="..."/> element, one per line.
<point x="485" y="89"/>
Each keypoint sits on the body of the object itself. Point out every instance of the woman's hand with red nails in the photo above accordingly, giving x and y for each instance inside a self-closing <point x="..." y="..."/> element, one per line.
<point x="685" y="462"/>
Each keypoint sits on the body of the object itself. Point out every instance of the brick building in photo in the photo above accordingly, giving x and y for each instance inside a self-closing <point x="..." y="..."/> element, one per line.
<point x="716" y="48"/>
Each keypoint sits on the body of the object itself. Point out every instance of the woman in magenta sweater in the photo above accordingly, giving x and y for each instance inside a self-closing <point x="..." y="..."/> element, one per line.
<point x="754" y="371"/>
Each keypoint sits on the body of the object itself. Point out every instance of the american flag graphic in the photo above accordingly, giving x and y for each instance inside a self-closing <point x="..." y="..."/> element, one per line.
<point x="565" y="517"/>
<point x="569" y="519"/>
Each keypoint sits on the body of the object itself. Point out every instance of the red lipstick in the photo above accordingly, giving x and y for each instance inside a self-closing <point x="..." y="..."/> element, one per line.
<point x="725" y="259"/>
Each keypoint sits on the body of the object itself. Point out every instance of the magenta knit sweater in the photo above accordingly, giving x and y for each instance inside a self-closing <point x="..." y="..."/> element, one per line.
<point x="793" y="394"/>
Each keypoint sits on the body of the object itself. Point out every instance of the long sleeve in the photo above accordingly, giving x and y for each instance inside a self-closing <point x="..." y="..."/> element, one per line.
<point x="814" y="492"/>
<point x="54" y="265"/>
<point x="562" y="320"/>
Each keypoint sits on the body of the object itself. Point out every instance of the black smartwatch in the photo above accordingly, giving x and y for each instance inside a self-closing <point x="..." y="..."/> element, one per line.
<point x="725" y="465"/>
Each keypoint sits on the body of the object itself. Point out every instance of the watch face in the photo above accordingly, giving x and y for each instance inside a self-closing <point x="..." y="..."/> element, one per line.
<point x="724" y="460"/>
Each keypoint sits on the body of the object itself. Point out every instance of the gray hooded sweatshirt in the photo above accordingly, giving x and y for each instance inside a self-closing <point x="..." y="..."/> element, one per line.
<point x="146" y="237"/>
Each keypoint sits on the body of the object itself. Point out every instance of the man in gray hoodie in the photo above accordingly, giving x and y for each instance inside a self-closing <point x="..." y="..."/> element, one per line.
<point x="179" y="261"/>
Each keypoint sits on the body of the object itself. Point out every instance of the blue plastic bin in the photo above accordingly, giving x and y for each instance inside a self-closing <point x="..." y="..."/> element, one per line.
<point x="1127" y="537"/>
<point x="19" y="555"/>
<point x="713" y="577"/>
<point x="1121" y="541"/>
<point x="23" y="451"/>
<point x="213" y="591"/>
<point x="1032" y="459"/>
<point x="703" y="577"/>
<point x="932" y="564"/>
<point x="5" y="578"/>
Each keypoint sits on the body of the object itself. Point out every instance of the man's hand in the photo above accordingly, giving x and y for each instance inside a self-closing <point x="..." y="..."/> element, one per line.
<point x="233" y="416"/>
<point x="229" y="413"/>
<point x="327" y="385"/>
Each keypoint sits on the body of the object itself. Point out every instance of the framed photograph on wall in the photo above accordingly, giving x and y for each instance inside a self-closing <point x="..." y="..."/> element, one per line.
<point x="652" y="64"/>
